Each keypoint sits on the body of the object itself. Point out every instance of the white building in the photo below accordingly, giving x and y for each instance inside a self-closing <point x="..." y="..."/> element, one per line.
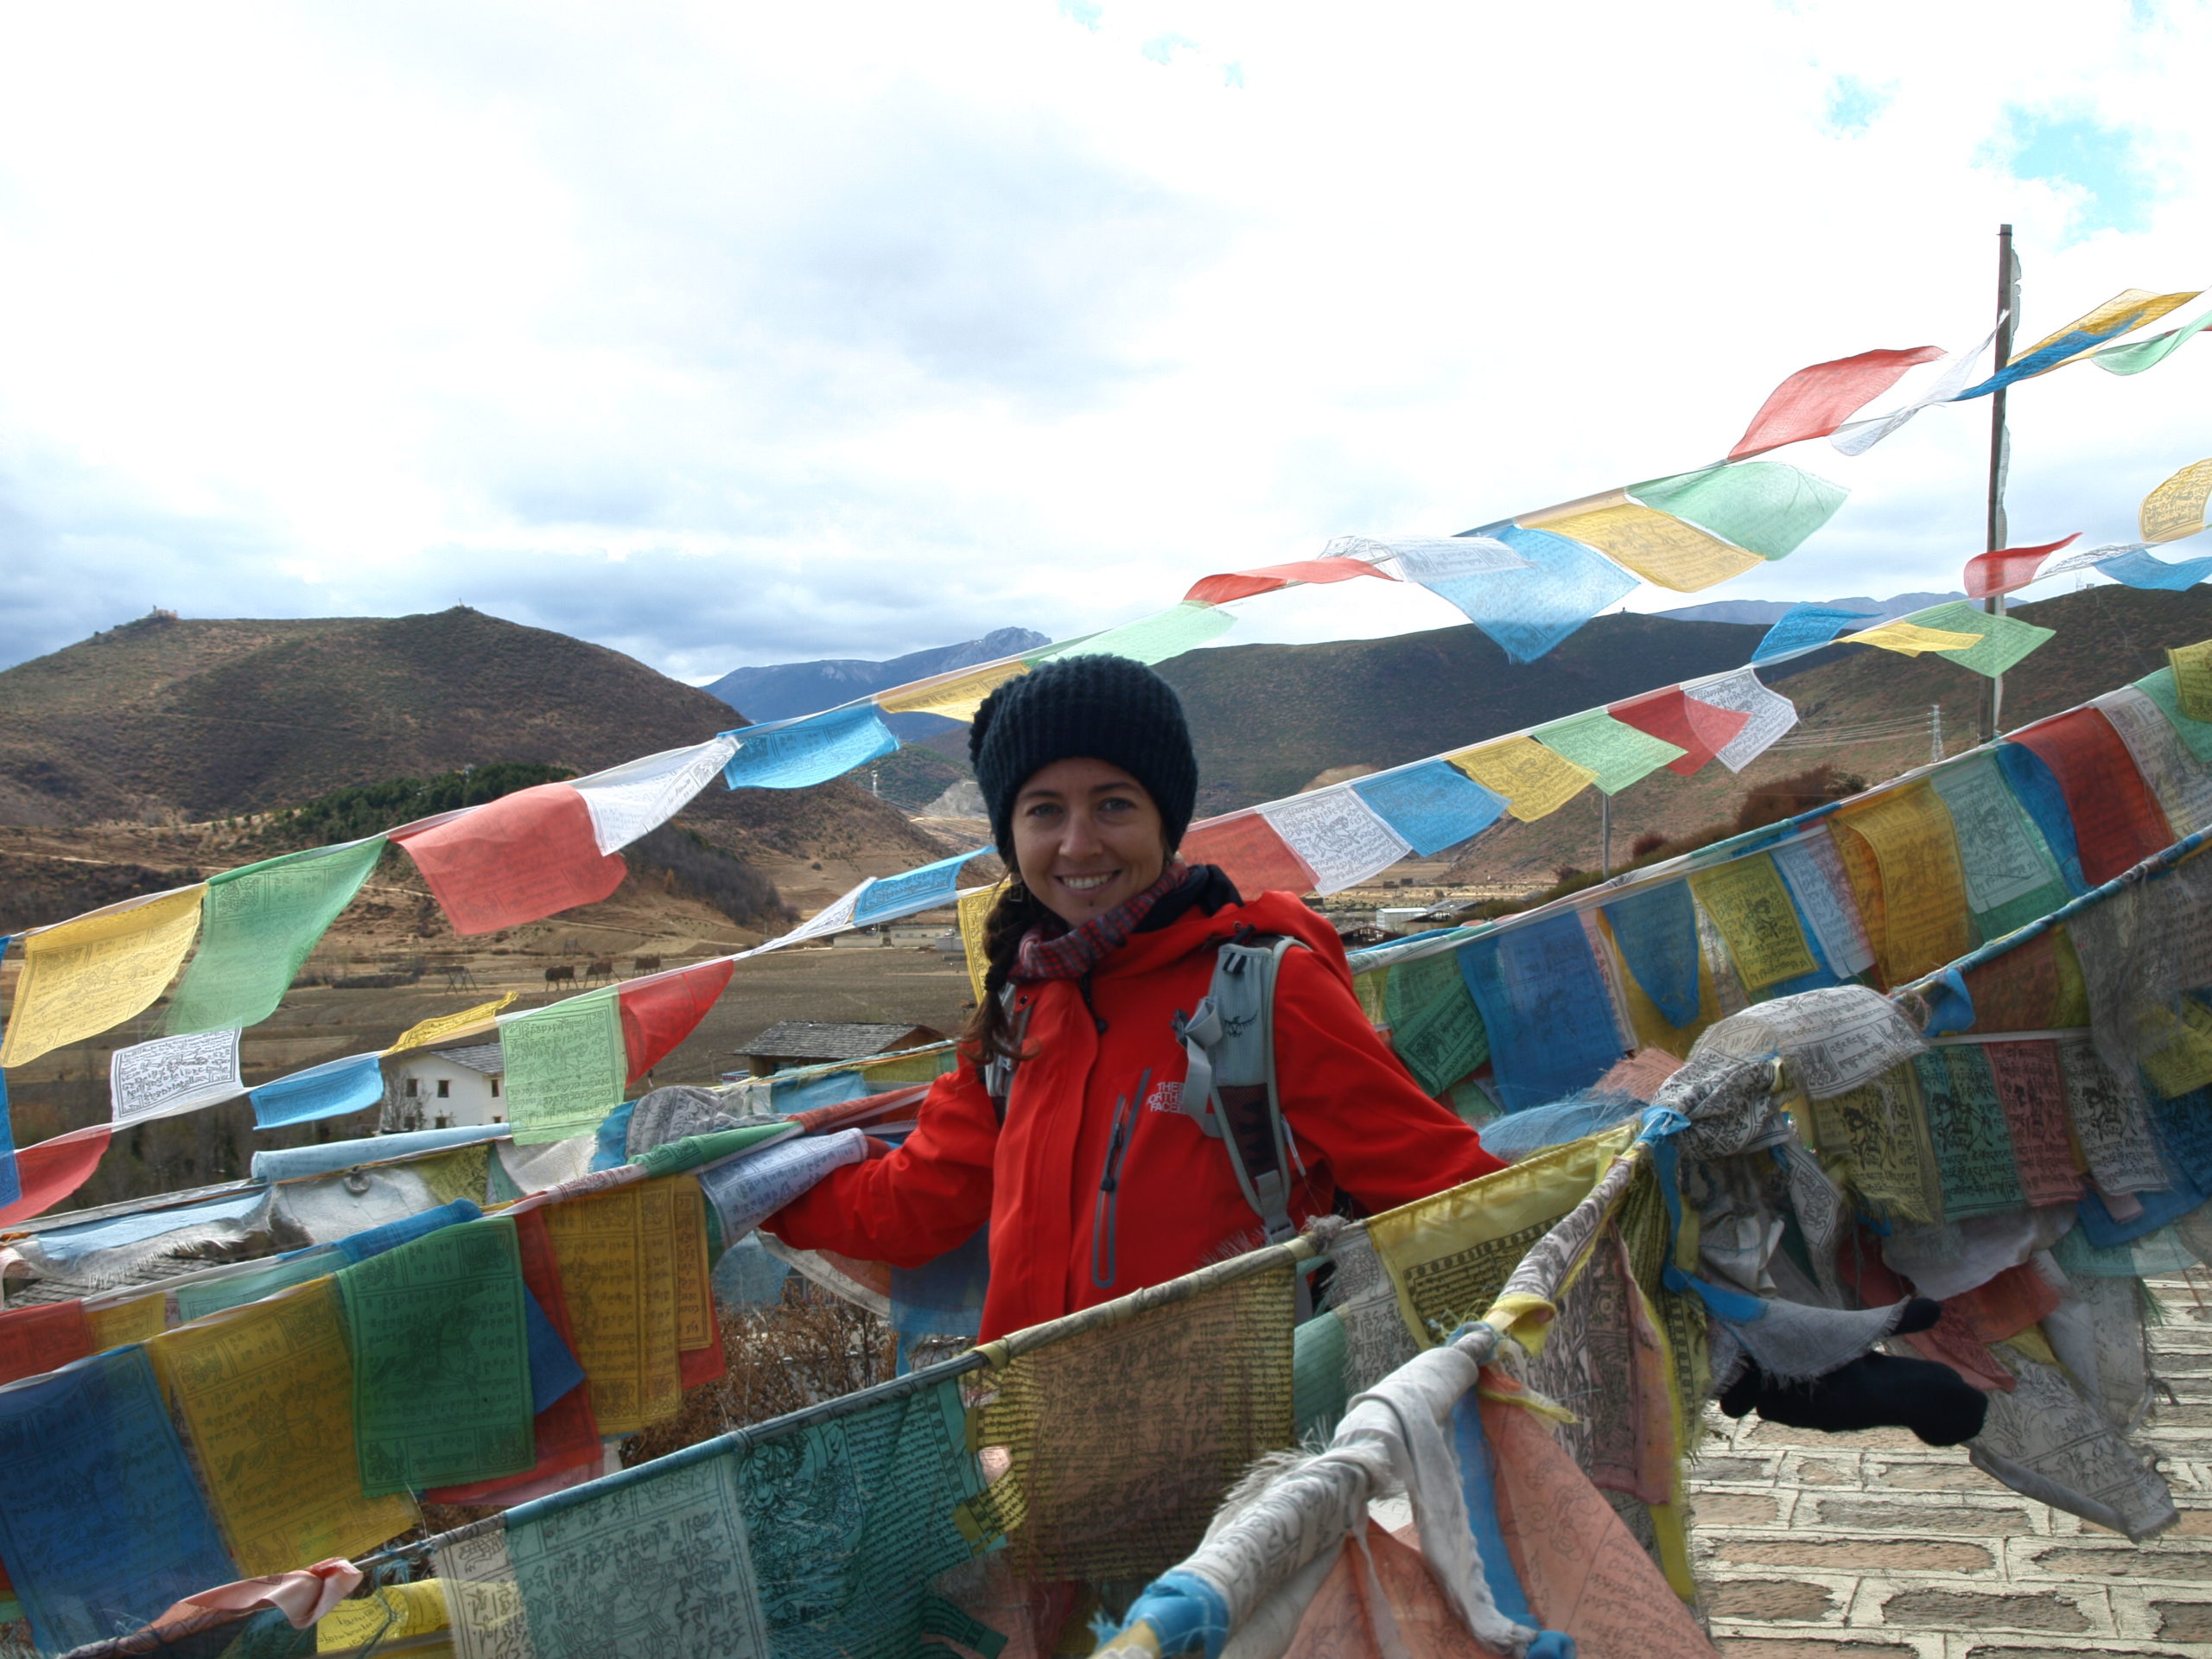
<point x="444" y="1089"/>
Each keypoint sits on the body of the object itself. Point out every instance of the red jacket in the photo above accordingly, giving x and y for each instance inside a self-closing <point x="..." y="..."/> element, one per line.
<point x="1359" y="1121"/>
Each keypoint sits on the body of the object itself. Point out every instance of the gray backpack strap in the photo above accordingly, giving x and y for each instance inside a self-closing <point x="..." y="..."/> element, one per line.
<point x="1231" y="1084"/>
<point x="998" y="1072"/>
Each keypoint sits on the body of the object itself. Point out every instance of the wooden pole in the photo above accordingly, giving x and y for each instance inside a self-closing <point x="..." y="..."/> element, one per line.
<point x="2008" y="304"/>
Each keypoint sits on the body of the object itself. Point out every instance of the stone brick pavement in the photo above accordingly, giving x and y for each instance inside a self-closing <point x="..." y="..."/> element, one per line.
<point x="1872" y="1546"/>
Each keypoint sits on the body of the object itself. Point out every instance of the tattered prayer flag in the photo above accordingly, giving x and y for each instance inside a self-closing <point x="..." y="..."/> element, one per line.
<point x="1804" y="625"/>
<point x="1267" y="578"/>
<point x="50" y="1171"/>
<point x="924" y="888"/>
<point x="1431" y="805"/>
<point x="1546" y="1007"/>
<point x="1617" y="754"/>
<point x="1151" y="638"/>
<point x="1247" y="847"/>
<point x="956" y="695"/>
<point x="1814" y="401"/>
<point x="1559" y="586"/>
<point x="1534" y="782"/>
<point x="2138" y="569"/>
<point x="2009" y="567"/>
<point x="2004" y="640"/>
<point x="1767" y="714"/>
<point x="1337" y="835"/>
<point x="793" y="754"/>
<point x="2191" y="668"/>
<point x="1751" y="908"/>
<point x="438" y="1028"/>
<point x="101" y="1524"/>
<point x="629" y="800"/>
<point x="1700" y="729"/>
<point x="2117" y="822"/>
<point x="89" y="974"/>
<point x="566" y="1067"/>
<point x="520" y="859"/>
<point x="1655" y="929"/>
<point x="2139" y="355"/>
<point x="1762" y="505"/>
<point x="330" y="1089"/>
<point x="1661" y="549"/>
<point x="660" y="1012"/>
<point x="42" y="1337"/>
<point x="257" y="925"/>
<point x="440" y="1360"/>
<point x="1909" y="638"/>
<point x="172" y="1075"/>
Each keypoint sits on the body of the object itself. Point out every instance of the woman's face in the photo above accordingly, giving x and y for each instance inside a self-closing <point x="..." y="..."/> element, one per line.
<point x="1087" y="837"/>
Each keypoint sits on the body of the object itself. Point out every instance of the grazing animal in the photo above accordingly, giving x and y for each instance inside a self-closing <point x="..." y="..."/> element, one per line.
<point x="598" y="968"/>
<point x="644" y="964"/>
<point x="564" y="975"/>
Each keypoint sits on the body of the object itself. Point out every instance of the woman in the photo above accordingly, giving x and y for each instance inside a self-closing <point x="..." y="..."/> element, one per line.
<point x="1095" y="1183"/>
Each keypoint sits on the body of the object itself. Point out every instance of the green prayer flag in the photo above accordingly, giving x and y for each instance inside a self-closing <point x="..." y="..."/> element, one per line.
<point x="2139" y="355"/>
<point x="2163" y="689"/>
<point x="1616" y="751"/>
<point x="1434" y="1025"/>
<point x="1762" y="506"/>
<point x="694" y="1151"/>
<point x="440" y="1360"/>
<point x="235" y="1290"/>
<point x="566" y="1067"/>
<point x="257" y="926"/>
<point x="1151" y="638"/>
<point x="2005" y="639"/>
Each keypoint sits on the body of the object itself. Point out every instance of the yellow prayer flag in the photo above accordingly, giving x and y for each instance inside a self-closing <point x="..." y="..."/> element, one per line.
<point x="1920" y="920"/>
<point x="2139" y="303"/>
<point x="2175" y="508"/>
<point x="1535" y="781"/>
<point x="2192" y="667"/>
<point x="449" y="1024"/>
<point x="974" y="909"/>
<point x="90" y="975"/>
<point x="1751" y="908"/>
<point x="617" y="1254"/>
<point x="1663" y="550"/>
<point x="2176" y="1050"/>
<point x="129" y="1321"/>
<point x="392" y="1613"/>
<point x="264" y="1393"/>
<point x="956" y="696"/>
<point x="1909" y="638"/>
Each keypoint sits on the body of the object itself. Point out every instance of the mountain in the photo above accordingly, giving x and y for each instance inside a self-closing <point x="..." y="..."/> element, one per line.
<point x="167" y="718"/>
<point x="780" y="690"/>
<point x="1767" y="612"/>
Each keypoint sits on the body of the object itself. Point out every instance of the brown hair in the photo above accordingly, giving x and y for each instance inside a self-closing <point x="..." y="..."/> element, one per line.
<point x="990" y="1034"/>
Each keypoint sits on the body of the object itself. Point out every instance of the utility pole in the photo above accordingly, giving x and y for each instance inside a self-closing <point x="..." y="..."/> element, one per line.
<point x="1935" y="731"/>
<point x="2008" y="306"/>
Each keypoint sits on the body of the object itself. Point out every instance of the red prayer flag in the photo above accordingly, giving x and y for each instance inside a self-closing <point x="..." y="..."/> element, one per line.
<point x="519" y="859"/>
<point x="51" y="1170"/>
<point x="41" y="1339"/>
<point x="1701" y="730"/>
<point x="1249" y="852"/>
<point x="2009" y="566"/>
<point x="1266" y="578"/>
<point x="1817" y="399"/>
<point x="659" y="1012"/>
<point x="2117" y="821"/>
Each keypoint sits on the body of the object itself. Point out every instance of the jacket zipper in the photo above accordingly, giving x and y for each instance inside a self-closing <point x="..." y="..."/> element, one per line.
<point x="1110" y="1184"/>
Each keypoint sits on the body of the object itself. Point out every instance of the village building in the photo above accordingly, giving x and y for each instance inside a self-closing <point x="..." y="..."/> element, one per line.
<point x="445" y="1089"/>
<point x="814" y="1042"/>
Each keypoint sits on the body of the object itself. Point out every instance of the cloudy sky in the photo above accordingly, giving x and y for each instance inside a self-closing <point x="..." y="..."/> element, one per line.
<point x="738" y="333"/>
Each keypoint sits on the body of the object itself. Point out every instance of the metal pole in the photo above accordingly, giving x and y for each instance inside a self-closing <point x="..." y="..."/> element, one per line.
<point x="2008" y="305"/>
<point x="1606" y="834"/>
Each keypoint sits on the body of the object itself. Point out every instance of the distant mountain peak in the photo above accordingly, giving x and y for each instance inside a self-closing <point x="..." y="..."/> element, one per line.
<point x="1765" y="612"/>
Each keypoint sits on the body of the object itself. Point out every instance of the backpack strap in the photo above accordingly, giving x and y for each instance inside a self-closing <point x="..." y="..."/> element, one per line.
<point x="998" y="1072"/>
<point x="1230" y="1087"/>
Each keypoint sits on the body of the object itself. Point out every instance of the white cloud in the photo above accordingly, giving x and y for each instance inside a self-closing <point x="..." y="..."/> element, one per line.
<point x="729" y="335"/>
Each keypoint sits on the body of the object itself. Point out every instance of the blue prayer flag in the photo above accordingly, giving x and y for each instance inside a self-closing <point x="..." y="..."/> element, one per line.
<point x="1546" y="1007"/>
<point x="1529" y="611"/>
<point x="2140" y="570"/>
<point x="1656" y="930"/>
<point x="902" y="895"/>
<point x="1805" y="625"/>
<point x="330" y="1089"/>
<point x="1433" y="805"/>
<point x="2036" y="787"/>
<point x="793" y="754"/>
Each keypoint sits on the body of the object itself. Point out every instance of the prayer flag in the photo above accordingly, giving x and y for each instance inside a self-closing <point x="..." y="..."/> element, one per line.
<point x="617" y="1251"/>
<point x="2191" y="669"/>
<point x="975" y="913"/>
<point x="629" y="800"/>
<point x="2123" y="313"/>
<point x="2139" y="570"/>
<point x="2180" y="783"/>
<point x="1657" y="546"/>
<point x="330" y="1089"/>
<point x="1431" y="805"/>
<point x="1700" y="729"/>
<point x="1859" y="437"/>
<point x="1804" y="625"/>
<point x="794" y="753"/>
<point x="90" y="974"/>
<point x="437" y="1029"/>
<point x="2142" y="354"/>
<point x="1558" y="585"/>
<point x="1767" y="714"/>
<point x="956" y="695"/>
<point x="1762" y="505"/>
<point x="50" y="1171"/>
<point x="1616" y="755"/>
<point x="1909" y="638"/>
<point x="2117" y="822"/>
<point x="1337" y="835"/>
<point x="1654" y="926"/>
<point x="1451" y="557"/>
<point x="2011" y="875"/>
<point x="1534" y="782"/>
<point x="42" y="1337"/>
<point x="172" y="1075"/>
<point x="566" y="1066"/>
<point x="1248" y="849"/>
<point x="2004" y="640"/>
<point x="1814" y="875"/>
<point x="1814" y="401"/>
<point x="1151" y="638"/>
<point x="1974" y="1162"/>
<point x="1435" y="1027"/>
<point x="2009" y="566"/>
<point x="520" y="859"/>
<point x="1916" y="910"/>
<point x="924" y="888"/>
<point x="257" y="925"/>
<point x="1267" y="578"/>
<point x="1546" y="1008"/>
<point x="659" y="1012"/>
<point x="2170" y="689"/>
<point x="1751" y="908"/>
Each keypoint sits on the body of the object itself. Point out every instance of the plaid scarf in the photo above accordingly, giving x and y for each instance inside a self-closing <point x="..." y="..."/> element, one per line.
<point x="1075" y="952"/>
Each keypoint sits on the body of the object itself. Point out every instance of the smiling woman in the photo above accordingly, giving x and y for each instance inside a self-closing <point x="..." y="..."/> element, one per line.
<point x="1064" y="1128"/>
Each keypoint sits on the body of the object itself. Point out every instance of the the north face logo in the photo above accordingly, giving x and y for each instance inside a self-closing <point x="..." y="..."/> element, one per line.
<point x="1165" y="1098"/>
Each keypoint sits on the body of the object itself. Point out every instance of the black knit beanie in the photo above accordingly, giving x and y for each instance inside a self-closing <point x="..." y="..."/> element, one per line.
<point x="1103" y="708"/>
